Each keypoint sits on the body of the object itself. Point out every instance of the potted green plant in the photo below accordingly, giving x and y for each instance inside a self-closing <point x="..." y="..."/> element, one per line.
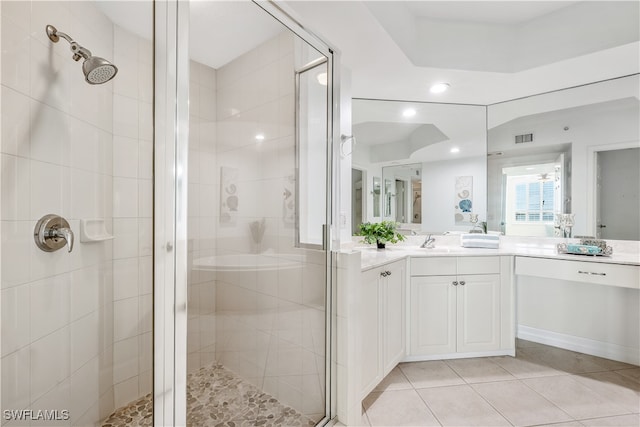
<point x="380" y="233"/>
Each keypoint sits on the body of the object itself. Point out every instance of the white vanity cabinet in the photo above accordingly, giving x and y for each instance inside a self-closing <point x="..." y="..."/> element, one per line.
<point x="460" y="307"/>
<point x="382" y="308"/>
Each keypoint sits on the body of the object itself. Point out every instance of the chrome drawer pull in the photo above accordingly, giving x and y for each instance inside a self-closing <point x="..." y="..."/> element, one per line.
<point x="592" y="273"/>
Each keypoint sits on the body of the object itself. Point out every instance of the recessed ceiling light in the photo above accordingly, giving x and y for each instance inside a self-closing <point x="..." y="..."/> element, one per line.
<point x="322" y="79"/>
<point x="409" y="112"/>
<point x="455" y="150"/>
<point x="439" y="87"/>
<point x="260" y="137"/>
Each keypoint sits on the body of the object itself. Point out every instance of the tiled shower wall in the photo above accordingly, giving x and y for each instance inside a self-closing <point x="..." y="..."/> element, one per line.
<point x="76" y="327"/>
<point x="269" y="318"/>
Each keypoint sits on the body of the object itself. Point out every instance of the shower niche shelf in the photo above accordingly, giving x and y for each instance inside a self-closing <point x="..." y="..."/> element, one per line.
<point x="93" y="230"/>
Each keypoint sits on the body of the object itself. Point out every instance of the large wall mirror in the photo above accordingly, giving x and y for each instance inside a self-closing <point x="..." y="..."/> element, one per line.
<point x="423" y="164"/>
<point x="570" y="151"/>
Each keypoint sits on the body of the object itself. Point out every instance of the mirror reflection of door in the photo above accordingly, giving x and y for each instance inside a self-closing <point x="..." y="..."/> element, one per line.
<point x="416" y="202"/>
<point x="617" y="194"/>
<point x="401" y="201"/>
<point x="357" y="200"/>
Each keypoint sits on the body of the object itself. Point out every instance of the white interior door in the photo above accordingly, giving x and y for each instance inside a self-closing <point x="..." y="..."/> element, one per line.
<point x="618" y="194"/>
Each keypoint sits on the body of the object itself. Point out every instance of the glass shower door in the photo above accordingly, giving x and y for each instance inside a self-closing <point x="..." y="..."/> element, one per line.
<point x="258" y="180"/>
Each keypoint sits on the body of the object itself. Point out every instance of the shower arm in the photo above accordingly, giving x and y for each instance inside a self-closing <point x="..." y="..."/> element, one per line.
<point x="78" y="51"/>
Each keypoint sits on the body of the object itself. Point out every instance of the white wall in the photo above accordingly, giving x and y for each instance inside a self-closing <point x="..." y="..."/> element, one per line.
<point x="438" y="192"/>
<point x="76" y="327"/>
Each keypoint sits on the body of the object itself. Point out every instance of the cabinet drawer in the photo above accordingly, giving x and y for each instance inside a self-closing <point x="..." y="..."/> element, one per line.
<point x="627" y="276"/>
<point x="479" y="265"/>
<point x="444" y="266"/>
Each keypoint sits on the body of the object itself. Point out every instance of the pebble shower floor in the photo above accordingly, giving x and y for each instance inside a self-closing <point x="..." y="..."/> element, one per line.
<point x="216" y="397"/>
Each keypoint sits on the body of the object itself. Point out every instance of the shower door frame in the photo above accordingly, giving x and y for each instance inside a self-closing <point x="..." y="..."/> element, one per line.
<point x="171" y="124"/>
<point x="171" y="127"/>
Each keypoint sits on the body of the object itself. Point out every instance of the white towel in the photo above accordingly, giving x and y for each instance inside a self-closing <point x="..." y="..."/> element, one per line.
<point x="487" y="241"/>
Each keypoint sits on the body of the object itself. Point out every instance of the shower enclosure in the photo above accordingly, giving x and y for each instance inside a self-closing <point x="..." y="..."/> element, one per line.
<point x="77" y="213"/>
<point x="165" y="216"/>
<point x="259" y="121"/>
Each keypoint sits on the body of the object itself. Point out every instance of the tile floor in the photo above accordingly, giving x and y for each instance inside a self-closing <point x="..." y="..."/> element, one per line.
<point x="541" y="386"/>
<point x="217" y="397"/>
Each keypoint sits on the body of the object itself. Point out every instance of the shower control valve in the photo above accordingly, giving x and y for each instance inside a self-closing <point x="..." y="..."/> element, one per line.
<point x="52" y="232"/>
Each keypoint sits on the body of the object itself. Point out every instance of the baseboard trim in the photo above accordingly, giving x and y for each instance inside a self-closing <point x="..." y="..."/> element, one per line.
<point x="579" y="344"/>
<point x="422" y="358"/>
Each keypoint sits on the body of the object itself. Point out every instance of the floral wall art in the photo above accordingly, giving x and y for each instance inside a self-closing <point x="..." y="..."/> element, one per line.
<point x="464" y="199"/>
<point x="228" y="195"/>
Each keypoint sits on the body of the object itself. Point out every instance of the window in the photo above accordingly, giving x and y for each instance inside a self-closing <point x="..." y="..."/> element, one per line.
<point x="534" y="199"/>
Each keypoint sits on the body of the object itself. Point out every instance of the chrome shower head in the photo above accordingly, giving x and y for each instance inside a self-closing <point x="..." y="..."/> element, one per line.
<point x="96" y="70"/>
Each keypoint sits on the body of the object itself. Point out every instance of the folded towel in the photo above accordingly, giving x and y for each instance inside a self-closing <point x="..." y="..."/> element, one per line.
<point x="583" y="249"/>
<point x="487" y="241"/>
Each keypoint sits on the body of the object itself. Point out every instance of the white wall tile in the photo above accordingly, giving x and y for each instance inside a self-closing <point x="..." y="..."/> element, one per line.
<point x="145" y="237"/>
<point x="16" y="252"/>
<point x="85" y="292"/>
<point x="49" y="362"/>
<point x="125" y="157"/>
<point x="125" y="43"/>
<point x="145" y="348"/>
<point x="15" y="122"/>
<point x="16" y="315"/>
<point x="49" y="190"/>
<point x="57" y="397"/>
<point x="145" y="159"/>
<point x="125" y="242"/>
<point x="16" y="56"/>
<point x="50" y="135"/>
<point x="84" y="390"/>
<point x="125" y="359"/>
<point x="15" y="187"/>
<point x="145" y="313"/>
<point x="125" y="278"/>
<point x="145" y="275"/>
<point x="126" y="81"/>
<point x="49" y="305"/>
<point x="125" y="198"/>
<point x="85" y="344"/>
<point x="86" y="150"/>
<point x="125" y="392"/>
<point x="16" y="379"/>
<point x="51" y="74"/>
<point x="125" y="319"/>
<point x="88" y="197"/>
<point x="145" y="198"/>
<point x="125" y="116"/>
<point x="145" y="127"/>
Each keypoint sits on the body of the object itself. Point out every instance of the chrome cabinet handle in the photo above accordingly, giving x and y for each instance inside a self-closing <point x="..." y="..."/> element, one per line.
<point x="591" y="273"/>
<point x="383" y="274"/>
<point x="53" y="232"/>
<point x="388" y="273"/>
<point x="462" y="282"/>
<point x="454" y="283"/>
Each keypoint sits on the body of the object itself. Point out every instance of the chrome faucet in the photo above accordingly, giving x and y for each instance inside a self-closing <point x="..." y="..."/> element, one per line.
<point x="428" y="242"/>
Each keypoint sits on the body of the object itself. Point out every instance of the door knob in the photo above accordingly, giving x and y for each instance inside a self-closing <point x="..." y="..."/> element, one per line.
<point x="52" y="232"/>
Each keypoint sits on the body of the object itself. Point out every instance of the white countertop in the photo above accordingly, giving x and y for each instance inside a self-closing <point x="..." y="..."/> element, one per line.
<point x="624" y="252"/>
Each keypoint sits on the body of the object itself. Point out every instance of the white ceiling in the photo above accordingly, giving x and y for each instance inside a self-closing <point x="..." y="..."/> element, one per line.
<point x="380" y="68"/>
<point x="565" y="45"/>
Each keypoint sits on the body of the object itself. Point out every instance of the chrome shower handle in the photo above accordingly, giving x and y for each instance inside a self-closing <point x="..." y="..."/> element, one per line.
<point x="66" y="234"/>
<point x="53" y="232"/>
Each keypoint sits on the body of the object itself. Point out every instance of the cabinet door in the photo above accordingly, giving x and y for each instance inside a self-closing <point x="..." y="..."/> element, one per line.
<point x="371" y="332"/>
<point x="478" y="312"/>
<point x="393" y="302"/>
<point x="433" y="315"/>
